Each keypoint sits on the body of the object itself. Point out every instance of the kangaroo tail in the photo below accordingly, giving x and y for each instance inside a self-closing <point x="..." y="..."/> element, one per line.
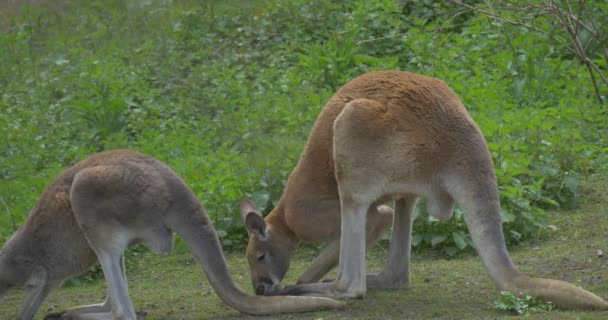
<point x="199" y="234"/>
<point x="478" y="195"/>
<point x="559" y="293"/>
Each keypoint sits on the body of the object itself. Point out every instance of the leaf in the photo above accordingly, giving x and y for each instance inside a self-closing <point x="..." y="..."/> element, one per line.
<point x="61" y="62"/>
<point x="546" y="125"/>
<point x="459" y="240"/>
<point x="428" y="237"/>
<point x="506" y="216"/>
<point x="518" y="88"/>
<point x="365" y="59"/>
<point x="450" y="251"/>
<point x="550" y="201"/>
<point x="516" y="235"/>
<point x="571" y="183"/>
<point x="438" y="239"/>
<point x="261" y="200"/>
<point x="416" y="239"/>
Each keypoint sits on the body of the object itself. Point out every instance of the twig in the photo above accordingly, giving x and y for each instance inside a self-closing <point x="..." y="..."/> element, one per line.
<point x="570" y="24"/>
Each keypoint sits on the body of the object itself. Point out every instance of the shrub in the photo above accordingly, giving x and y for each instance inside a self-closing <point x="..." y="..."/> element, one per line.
<point x="227" y="92"/>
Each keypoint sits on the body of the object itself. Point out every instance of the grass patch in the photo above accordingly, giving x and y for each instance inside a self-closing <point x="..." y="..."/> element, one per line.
<point x="174" y="286"/>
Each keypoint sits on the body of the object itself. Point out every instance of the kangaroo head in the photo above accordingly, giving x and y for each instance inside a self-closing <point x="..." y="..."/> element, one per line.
<point x="268" y="253"/>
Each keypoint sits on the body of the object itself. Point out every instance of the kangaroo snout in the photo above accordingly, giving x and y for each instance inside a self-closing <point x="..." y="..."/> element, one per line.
<point x="267" y="288"/>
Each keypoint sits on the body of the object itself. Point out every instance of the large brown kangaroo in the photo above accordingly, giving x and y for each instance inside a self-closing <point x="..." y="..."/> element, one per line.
<point x="391" y="136"/>
<point x="93" y="211"/>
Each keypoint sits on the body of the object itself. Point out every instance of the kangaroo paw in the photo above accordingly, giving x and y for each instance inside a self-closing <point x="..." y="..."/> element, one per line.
<point x="58" y="316"/>
<point x="307" y="289"/>
<point x="320" y="289"/>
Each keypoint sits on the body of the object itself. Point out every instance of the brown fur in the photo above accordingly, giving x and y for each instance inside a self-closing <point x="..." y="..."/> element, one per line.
<point x="93" y="211"/>
<point x="397" y="135"/>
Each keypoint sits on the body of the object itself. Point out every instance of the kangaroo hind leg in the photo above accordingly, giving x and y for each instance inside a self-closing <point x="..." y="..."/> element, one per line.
<point x="82" y="312"/>
<point x="396" y="272"/>
<point x="360" y="180"/>
<point x="110" y="220"/>
<point x="112" y="263"/>
<point x="92" y="311"/>
<point x="37" y="289"/>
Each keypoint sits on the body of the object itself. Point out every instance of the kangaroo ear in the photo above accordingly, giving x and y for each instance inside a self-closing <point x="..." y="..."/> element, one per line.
<point x="254" y="222"/>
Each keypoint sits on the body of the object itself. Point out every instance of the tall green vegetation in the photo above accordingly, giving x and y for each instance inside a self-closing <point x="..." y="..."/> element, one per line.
<point x="226" y="92"/>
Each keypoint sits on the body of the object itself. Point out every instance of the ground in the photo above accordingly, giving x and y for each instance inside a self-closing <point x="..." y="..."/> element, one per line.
<point x="174" y="286"/>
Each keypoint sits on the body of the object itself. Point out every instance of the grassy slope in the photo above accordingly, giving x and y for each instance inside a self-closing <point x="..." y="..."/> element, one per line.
<point x="174" y="287"/>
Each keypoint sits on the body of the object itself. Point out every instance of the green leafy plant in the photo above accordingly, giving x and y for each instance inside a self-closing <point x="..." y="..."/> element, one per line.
<point x="226" y="93"/>
<point x="523" y="305"/>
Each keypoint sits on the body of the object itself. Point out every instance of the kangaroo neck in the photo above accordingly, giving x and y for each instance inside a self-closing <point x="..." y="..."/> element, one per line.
<point x="280" y="228"/>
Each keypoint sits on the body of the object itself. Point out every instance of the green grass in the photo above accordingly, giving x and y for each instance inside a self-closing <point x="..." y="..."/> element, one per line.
<point x="174" y="286"/>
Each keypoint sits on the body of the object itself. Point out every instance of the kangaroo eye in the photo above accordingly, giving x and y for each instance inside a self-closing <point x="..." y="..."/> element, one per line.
<point x="261" y="256"/>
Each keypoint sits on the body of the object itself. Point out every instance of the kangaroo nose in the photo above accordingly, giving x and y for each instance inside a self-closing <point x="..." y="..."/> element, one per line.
<point x="260" y="289"/>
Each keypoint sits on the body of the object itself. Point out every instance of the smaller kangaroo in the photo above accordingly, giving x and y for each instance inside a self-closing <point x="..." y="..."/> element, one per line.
<point x="97" y="208"/>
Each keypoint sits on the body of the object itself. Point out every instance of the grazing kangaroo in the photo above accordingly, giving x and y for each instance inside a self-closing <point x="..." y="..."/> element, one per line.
<point x="275" y="238"/>
<point x="393" y="136"/>
<point x="93" y="211"/>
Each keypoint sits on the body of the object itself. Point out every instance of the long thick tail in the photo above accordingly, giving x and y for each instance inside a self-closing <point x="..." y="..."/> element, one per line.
<point x="486" y="231"/>
<point x="559" y="293"/>
<point x="478" y="195"/>
<point x="200" y="235"/>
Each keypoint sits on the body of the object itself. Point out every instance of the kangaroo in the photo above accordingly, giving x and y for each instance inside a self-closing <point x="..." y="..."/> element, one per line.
<point x="385" y="136"/>
<point x="273" y="239"/>
<point x="98" y="207"/>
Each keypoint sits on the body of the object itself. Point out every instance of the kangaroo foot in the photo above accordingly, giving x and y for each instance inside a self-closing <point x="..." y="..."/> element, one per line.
<point x="321" y="289"/>
<point x="385" y="281"/>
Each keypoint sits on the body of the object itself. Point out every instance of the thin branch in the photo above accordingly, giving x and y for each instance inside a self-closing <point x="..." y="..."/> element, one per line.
<point x="570" y="23"/>
<point x="581" y="51"/>
<point x="599" y="71"/>
<point x="570" y="14"/>
<point x="600" y="39"/>
<point x="519" y="24"/>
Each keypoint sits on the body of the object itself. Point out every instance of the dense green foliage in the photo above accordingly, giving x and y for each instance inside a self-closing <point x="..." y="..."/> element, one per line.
<point x="225" y="92"/>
